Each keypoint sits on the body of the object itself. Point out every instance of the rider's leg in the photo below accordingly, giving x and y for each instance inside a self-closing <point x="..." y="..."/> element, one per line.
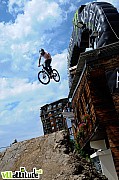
<point x="46" y="67"/>
<point x="48" y="62"/>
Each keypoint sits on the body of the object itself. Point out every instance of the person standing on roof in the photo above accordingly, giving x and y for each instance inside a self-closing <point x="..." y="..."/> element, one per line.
<point x="47" y="62"/>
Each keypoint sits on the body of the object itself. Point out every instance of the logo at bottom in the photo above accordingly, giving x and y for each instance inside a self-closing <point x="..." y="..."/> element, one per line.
<point x="22" y="174"/>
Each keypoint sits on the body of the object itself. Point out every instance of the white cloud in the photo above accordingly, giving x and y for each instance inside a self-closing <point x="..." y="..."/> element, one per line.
<point x="21" y="101"/>
<point x="16" y="6"/>
<point x="21" y="95"/>
<point x="72" y="8"/>
<point x="64" y="1"/>
<point x="31" y="30"/>
<point x="40" y="16"/>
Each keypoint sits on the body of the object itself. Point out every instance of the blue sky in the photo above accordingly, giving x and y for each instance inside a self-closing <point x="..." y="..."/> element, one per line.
<point x="25" y="27"/>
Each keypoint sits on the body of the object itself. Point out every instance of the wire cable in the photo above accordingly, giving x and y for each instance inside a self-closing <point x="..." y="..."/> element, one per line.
<point x="109" y="24"/>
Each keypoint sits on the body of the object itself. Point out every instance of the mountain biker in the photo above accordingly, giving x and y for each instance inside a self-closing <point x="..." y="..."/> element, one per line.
<point x="48" y="60"/>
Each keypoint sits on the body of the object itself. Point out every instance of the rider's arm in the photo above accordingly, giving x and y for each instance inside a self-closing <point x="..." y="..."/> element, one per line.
<point x="39" y="61"/>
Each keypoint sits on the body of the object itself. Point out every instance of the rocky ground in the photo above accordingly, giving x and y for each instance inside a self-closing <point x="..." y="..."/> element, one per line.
<point x="50" y="153"/>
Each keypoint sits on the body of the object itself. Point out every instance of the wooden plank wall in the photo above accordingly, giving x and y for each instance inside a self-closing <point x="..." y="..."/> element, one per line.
<point x="103" y="105"/>
<point x="82" y="104"/>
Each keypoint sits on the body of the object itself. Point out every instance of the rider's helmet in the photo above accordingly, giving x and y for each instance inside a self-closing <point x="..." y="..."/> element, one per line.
<point x="42" y="52"/>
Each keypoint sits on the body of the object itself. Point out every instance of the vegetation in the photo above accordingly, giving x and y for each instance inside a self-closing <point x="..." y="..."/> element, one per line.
<point x="74" y="145"/>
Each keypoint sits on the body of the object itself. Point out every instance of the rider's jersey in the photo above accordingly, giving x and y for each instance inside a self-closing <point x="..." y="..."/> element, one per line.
<point x="47" y="56"/>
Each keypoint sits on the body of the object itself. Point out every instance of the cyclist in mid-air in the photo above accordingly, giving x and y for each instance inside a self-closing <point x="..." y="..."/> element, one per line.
<point x="48" y="60"/>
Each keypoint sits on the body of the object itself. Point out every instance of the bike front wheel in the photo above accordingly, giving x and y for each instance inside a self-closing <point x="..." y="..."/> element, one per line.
<point x="43" y="77"/>
<point x="56" y="75"/>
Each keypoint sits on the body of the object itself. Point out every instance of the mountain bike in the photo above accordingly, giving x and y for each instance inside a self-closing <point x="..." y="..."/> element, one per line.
<point x="44" y="77"/>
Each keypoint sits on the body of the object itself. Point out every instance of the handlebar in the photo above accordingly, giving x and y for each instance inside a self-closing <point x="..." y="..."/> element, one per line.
<point x="41" y="65"/>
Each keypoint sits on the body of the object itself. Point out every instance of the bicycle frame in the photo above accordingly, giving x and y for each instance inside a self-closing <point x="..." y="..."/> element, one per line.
<point x="45" y="74"/>
<point x="43" y="69"/>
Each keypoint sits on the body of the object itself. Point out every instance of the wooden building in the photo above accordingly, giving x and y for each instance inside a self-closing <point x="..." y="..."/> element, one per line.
<point x="51" y="116"/>
<point x="94" y="90"/>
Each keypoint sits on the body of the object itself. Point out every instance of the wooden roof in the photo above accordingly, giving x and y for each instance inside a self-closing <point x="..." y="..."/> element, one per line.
<point x="90" y="57"/>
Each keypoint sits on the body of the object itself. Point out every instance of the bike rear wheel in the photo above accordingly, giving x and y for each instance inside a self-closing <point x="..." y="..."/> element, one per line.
<point x="43" y="77"/>
<point x="56" y="75"/>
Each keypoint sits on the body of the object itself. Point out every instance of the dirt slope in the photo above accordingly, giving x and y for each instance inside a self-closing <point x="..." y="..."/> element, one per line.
<point x="49" y="153"/>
